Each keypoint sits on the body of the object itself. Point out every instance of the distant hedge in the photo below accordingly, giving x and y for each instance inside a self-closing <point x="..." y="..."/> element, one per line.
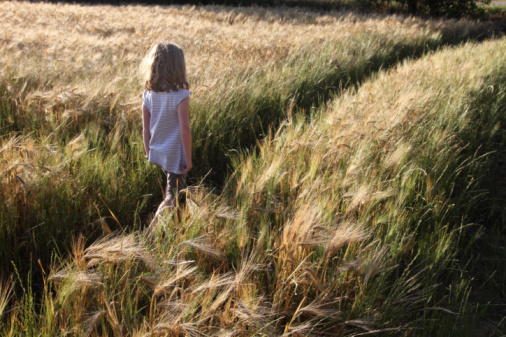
<point x="434" y="8"/>
<point x="313" y="4"/>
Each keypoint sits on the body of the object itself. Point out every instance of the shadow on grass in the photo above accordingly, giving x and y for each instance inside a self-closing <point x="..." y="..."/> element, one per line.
<point x="483" y="247"/>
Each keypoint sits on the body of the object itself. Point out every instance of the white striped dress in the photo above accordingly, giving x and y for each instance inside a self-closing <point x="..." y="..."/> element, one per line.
<point x="165" y="146"/>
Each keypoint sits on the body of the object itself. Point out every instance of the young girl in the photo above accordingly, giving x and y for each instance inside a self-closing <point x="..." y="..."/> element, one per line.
<point x="165" y="114"/>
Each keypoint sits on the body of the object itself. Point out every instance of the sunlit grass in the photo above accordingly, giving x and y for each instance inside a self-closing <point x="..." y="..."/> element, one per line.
<point x="349" y="217"/>
<point x="352" y="223"/>
<point x="71" y="148"/>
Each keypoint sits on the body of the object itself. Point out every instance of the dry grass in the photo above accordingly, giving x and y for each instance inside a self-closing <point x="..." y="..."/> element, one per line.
<point x="81" y="56"/>
<point x="323" y="263"/>
<point x="340" y="224"/>
<point x="64" y="67"/>
<point x="368" y="159"/>
<point x="5" y="294"/>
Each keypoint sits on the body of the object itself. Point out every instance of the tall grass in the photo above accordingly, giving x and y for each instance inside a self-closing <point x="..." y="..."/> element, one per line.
<point x="406" y="161"/>
<point x="71" y="148"/>
<point x="357" y="222"/>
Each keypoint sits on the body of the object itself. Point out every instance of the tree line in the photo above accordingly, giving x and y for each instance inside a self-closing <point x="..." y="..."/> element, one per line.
<point x="434" y="8"/>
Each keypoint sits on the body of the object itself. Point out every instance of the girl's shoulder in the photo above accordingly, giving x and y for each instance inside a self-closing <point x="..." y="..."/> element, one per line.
<point x="179" y="95"/>
<point x="184" y="92"/>
<point x="146" y="95"/>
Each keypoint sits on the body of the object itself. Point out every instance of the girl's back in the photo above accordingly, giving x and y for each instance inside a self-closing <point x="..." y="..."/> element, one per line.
<point x="165" y="144"/>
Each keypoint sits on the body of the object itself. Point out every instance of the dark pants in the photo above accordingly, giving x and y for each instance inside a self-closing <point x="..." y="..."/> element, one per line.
<point x="175" y="183"/>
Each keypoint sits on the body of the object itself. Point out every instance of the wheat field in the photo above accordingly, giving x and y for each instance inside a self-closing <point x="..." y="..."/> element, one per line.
<point x="342" y="187"/>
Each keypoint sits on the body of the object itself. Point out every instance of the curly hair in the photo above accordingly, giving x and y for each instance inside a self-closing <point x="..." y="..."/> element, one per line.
<point x="164" y="68"/>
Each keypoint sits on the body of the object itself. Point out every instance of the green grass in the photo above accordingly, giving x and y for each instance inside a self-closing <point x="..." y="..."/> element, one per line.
<point x="368" y="217"/>
<point x="495" y="10"/>
<point x="89" y="174"/>
<point x="430" y="173"/>
<point x="372" y="202"/>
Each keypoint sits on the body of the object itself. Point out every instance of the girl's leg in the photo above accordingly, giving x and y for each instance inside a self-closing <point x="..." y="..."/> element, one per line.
<point x="175" y="183"/>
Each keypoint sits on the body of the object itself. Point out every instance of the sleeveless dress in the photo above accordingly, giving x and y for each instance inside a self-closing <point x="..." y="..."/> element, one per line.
<point x="165" y="146"/>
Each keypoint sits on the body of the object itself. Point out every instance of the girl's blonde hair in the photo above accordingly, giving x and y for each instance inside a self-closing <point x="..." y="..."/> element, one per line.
<point x="164" y="68"/>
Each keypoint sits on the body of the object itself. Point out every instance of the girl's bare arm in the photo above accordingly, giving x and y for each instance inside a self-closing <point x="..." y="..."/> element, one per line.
<point x="183" y="112"/>
<point x="146" y="133"/>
